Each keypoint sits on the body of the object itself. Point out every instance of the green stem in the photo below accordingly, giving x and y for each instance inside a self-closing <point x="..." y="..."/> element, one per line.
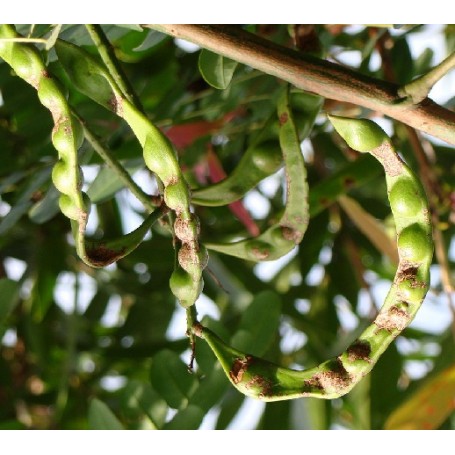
<point x="191" y="320"/>
<point x="417" y="90"/>
<point x="317" y="76"/>
<point x="121" y="172"/>
<point x="110" y="60"/>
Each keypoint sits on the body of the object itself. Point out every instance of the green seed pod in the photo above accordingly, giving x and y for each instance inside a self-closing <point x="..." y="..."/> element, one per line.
<point x="414" y="244"/>
<point x="187" y="230"/>
<point x="280" y="238"/>
<point x="176" y="197"/>
<point x="184" y="288"/>
<point x="88" y="75"/>
<point x="405" y="199"/>
<point x="257" y="250"/>
<point x="412" y="291"/>
<point x="63" y="138"/>
<point x="193" y="261"/>
<point x="64" y="179"/>
<point x="160" y="157"/>
<point x="26" y="62"/>
<point x="360" y="134"/>
<point x="261" y="379"/>
<point x="266" y="157"/>
<point x="78" y="132"/>
<point x="51" y="96"/>
<point x="69" y="208"/>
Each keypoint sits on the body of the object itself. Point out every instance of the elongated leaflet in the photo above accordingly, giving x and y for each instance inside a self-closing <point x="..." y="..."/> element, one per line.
<point x="261" y="379"/>
<point x="92" y="79"/>
<point x="258" y="162"/>
<point x="280" y="238"/>
<point x="66" y="138"/>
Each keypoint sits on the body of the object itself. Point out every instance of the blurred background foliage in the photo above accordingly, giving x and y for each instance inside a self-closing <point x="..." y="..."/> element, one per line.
<point x="84" y="348"/>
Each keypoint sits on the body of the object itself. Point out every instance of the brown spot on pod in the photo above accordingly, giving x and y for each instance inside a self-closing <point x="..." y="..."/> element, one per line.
<point x="187" y="230"/>
<point x="284" y="118"/>
<point x="192" y="260"/>
<point x="336" y="378"/>
<point x="313" y="383"/>
<point x="291" y="234"/>
<point x="394" y="319"/>
<point x="393" y="166"/>
<point x="263" y="387"/>
<point x="258" y="251"/>
<point x="359" y="350"/>
<point x="239" y="368"/>
<point x="100" y="256"/>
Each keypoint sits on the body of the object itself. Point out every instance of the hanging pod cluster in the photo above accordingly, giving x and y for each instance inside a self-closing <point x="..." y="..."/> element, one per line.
<point x="251" y="375"/>
<point x="93" y="80"/>
<point x="67" y="137"/>
<point x="261" y="379"/>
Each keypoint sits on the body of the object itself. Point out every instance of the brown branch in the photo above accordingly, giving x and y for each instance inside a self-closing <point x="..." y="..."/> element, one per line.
<point x="318" y="76"/>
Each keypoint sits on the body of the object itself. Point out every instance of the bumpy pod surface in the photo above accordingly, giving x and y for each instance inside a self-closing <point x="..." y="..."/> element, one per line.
<point x="261" y="379"/>
<point x="280" y="238"/>
<point x="159" y="156"/>
<point x="67" y="137"/>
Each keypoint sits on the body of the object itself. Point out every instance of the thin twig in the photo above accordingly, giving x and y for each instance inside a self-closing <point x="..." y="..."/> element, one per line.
<point x="317" y="76"/>
<point x="120" y="171"/>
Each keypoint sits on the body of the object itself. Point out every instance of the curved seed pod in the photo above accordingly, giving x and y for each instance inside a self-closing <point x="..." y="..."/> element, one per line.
<point x="159" y="156"/>
<point x="261" y="379"/>
<point x="67" y="137"/>
<point x="288" y="232"/>
<point x="258" y="162"/>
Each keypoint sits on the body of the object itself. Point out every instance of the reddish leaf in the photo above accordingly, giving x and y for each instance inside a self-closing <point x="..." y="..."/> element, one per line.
<point x="216" y="173"/>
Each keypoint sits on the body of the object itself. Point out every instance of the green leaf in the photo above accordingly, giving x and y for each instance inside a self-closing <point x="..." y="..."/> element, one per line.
<point x="46" y="208"/>
<point x="373" y="229"/>
<point x="88" y="75"/>
<point x="53" y="37"/>
<point x="9" y="296"/>
<point x="428" y="407"/>
<point x="171" y="379"/>
<point x="141" y="397"/>
<point x="24" y="202"/>
<point x="216" y="69"/>
<point x="188" y="419"/>
<point x="152" y="39"/>
<point x="100" y="417"/>
<point x="259" y="324"/>
<point x="107" y="183"/>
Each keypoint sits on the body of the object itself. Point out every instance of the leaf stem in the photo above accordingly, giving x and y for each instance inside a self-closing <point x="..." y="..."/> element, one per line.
<point x="191" y="320"/>
<point x="111" y="161"/>
<point x="317" y="76"/>
<point x="110" y="60"/>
